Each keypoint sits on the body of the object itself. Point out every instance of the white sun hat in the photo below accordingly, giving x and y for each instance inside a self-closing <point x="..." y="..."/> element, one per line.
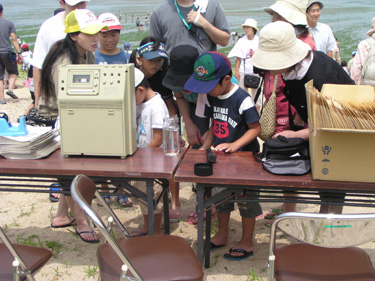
<point x="252" y="23"/>
<point x="294" y="11"/>
<point x="110" y="20"/>
<point x="278" y="47"/>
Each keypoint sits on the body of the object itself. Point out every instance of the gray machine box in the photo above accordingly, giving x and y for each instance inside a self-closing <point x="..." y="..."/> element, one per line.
<point x="97" y="110"/>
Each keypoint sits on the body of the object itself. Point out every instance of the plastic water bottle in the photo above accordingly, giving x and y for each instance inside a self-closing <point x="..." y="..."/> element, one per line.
<point x="171" y="136"/>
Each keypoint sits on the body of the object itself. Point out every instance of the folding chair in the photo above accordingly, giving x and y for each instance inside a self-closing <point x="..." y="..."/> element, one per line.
<point x="18" y="262"/>
<point x="155" y="257"/>
<point x="327" y="250"/>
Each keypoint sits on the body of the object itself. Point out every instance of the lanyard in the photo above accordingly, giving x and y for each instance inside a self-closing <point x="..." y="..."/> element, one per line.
<point x="188" y="26"/>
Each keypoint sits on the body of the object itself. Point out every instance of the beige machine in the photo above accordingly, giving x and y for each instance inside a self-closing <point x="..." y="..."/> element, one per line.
<point x="97" y="110"/>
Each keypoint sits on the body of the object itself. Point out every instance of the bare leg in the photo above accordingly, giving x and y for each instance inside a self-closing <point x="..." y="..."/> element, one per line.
<point x="175" y="211"/>
<point x="223" y="229"/>
<point x="144" y="230"/>
<point x="62" y="216"/>
<point x="79" y="215"/>
<point x="1" y="89"/>
<point x="12" y="81"/>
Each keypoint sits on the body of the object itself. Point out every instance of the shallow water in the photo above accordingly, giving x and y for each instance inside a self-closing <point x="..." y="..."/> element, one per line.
<point x="348" y="19"/>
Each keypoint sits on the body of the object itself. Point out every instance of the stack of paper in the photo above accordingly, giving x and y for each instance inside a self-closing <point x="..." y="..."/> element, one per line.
<point x="38" y="143"/>
<point x="349" y="114"/>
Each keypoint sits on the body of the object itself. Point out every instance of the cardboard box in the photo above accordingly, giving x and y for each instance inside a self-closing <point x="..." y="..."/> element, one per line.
<point x="341" y="154"/>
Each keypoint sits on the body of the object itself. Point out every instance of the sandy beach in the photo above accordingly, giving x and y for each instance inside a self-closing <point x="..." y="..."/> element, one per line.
<point x="27" y="217"/>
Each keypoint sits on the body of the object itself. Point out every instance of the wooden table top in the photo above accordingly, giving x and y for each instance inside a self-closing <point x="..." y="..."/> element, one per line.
<point x="144" y="163"/>
<point x="240" y="168"/>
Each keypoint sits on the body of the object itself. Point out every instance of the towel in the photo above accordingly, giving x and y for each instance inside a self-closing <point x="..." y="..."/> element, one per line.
<point x="201" y="5"/>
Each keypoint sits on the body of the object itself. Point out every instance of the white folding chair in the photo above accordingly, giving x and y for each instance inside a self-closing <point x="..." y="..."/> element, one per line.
<point x="155" y="257"/>
<point x="326" y="248"/>
<point x="18" y="262"/>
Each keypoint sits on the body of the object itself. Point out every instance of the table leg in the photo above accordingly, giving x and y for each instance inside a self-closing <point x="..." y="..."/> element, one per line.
<point x="200" y="200"/>
<point x="207" y="248"/>
<point x="150" y="206"/>
<point x="166" y="207"/>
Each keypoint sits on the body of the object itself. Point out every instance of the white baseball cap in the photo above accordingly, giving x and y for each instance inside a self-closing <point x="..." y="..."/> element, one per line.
<point x="75" y="2"/>
<point x="110" y="20"/>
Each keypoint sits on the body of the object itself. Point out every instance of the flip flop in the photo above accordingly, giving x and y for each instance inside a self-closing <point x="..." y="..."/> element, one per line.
<point x="137" y="233"/>
<point x="215" y="246"/>
<point x="273" y="213"/>
<point x="54" y="187"/>
<point x="232" y="257"/>
<point x="86" y="240"/>
<point x="175" y="219"/>
<point x="71" y="223"/>
<point x="123" y="201"/>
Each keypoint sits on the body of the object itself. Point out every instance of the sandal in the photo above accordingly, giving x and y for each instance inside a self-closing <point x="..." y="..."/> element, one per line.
<point x="273" y="213"/>
<point x="124" y="201"/>
<point x="193" y="218"/>
<point x="107" y="199"/>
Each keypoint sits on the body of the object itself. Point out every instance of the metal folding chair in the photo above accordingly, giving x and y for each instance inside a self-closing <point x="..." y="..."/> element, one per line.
<point x="326" y="248"/>
<point x="155" y="257"/>
<point x="18" y="262"/>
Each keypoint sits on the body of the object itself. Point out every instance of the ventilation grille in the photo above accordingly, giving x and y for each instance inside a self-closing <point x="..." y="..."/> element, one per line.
<point x="91" y="105"/>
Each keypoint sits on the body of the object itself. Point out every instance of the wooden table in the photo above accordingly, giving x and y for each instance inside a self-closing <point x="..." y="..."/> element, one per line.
<point x="239" y="171"/>
<point x="147" y="164"/>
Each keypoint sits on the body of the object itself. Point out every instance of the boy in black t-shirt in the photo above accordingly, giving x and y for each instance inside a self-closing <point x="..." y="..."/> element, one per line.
<point x="235" y="126"/>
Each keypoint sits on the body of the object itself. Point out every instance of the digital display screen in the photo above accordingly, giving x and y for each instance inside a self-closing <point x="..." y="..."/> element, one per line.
<point x="81" y="78"/>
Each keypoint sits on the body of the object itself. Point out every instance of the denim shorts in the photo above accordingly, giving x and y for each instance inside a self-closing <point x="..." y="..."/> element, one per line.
<point x="247" y="209"/>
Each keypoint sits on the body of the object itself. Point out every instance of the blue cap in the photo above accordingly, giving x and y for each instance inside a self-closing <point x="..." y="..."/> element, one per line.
<point x="148" y="52"/>
<point x="354" y="53"/>
<point x="209" y="68"/>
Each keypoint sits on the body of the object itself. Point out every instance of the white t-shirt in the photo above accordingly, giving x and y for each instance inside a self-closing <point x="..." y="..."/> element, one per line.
<point x="150" y="115"/>
<point x="51" y="31"/>
<point x="244" y="49"/>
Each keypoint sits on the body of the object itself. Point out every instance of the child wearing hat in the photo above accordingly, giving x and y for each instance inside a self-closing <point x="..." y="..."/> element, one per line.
<point x="235" y="126"/>
<point x="108" y="53"/>
<point x="150" y="113"/>
<point x="243" y="51"/>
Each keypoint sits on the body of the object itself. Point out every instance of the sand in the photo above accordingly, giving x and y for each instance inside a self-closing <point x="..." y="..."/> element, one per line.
<point x="27" y="217"/>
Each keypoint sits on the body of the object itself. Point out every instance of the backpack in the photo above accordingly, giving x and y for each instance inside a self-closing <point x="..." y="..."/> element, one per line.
<point x="285" y="156"/>
<point x="368" y="70"/>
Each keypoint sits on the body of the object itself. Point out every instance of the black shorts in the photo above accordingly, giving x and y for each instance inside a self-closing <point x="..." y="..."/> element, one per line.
<point x="6" y="64"/>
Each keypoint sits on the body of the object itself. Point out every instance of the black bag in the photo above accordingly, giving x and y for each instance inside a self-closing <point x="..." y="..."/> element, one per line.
<point x="251" y="81"/>
<point x="13" y="57"/>
<point x="285" y="156"/>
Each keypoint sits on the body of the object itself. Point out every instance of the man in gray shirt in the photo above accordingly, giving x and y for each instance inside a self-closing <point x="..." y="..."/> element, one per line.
<point x="180" y="22"/>
<point x="8" y="60"/>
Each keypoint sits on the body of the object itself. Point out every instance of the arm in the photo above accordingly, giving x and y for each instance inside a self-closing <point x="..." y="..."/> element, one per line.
<point x="192" y="131"/>
<point x="304" y="134"/>
<point x="172" y="109"/>
<point x="358" y="61"/>
<point x="15" y="42"/>
<point x="36" y="76"/>
<point x="248" y="137"/>
<point x="208" y="140"/>
<point x="237" y="68"/>
<point x="157" y="139"/>
<point x="217" y="35"/>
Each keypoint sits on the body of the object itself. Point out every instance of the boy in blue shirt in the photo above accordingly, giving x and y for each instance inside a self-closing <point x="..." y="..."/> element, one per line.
<point x="235" y="126"/>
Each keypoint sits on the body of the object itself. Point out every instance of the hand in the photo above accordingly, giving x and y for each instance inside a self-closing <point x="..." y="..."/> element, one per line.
<point x="237" y="75"/>
<point x="193" y="134"/>
<point x="226" y="147"/>
<point x="196" y="18"/>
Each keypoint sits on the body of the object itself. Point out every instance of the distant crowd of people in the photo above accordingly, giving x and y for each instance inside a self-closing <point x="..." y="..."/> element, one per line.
<point x="179" y="72"/>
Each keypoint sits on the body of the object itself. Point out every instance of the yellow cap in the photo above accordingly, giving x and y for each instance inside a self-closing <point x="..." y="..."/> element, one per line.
<point x="84" y="21"/>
